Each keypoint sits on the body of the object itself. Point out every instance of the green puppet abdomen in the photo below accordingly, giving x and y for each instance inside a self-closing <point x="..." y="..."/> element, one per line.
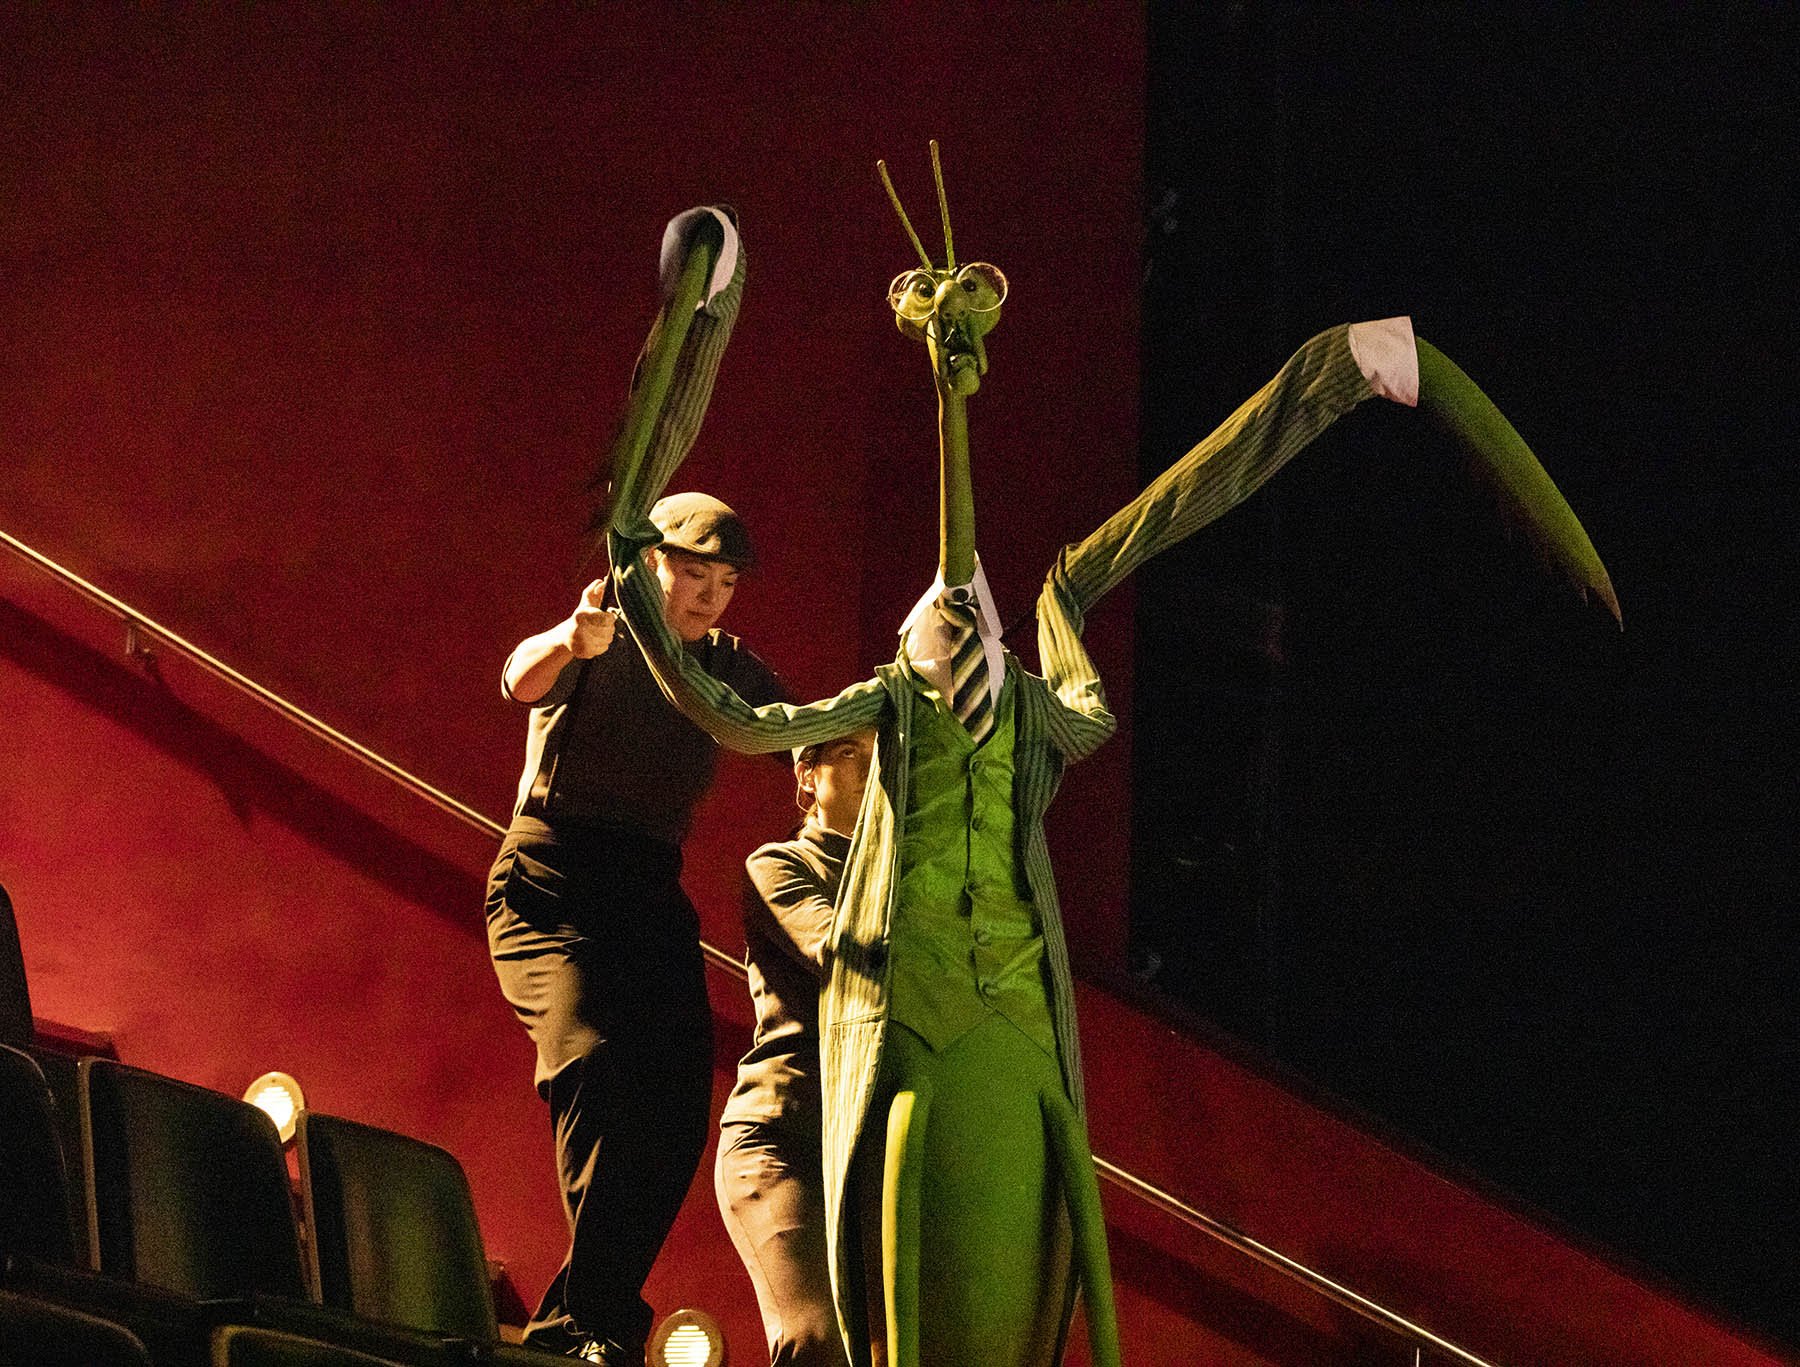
<point x="991" y="1231"/>
<point x="977" y="1256"/>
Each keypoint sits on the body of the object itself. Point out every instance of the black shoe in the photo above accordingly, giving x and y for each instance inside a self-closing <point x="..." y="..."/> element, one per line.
<point x="607" y="1354"/>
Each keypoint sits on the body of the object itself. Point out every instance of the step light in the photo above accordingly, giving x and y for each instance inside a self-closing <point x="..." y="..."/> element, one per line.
<point x="687" y="1338"/>
<point x="279" y="1097"/>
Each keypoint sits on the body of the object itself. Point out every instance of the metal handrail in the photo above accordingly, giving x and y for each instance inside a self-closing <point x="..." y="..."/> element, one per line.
<point x="1268" y="1257"/>
<point x="141" y="625"/>
<point x="138" y="625"/>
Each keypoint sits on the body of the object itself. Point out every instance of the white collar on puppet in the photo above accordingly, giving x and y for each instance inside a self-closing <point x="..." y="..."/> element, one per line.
<point x="677" y="233"/>
<point x="927" y="641"/>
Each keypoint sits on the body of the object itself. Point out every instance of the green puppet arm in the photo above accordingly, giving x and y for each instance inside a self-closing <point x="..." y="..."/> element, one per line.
<point x="1319" y="384"/>
<point x="655" y="369"/>
<point x="1502" y="462"/>
<point x="671" y="388"/>
<point x="672" y="383"/>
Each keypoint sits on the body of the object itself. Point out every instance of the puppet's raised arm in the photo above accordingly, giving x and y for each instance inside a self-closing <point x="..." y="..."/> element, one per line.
<point x="1321" y="382"/>
<point x="669" y="394"/>
<point x="703" y="286"/>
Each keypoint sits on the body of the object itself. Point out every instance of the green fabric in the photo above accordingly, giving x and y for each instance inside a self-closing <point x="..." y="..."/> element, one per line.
<point x="1501" y="462"/>
<point x="965" y="940"/>
<point x="992" y="1278"/>
<point x="1059" y="717"/>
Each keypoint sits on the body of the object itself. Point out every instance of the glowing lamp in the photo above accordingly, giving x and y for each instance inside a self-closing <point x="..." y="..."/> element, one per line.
<point x="279" y="1097"/>
<point x="687" y="1338"/>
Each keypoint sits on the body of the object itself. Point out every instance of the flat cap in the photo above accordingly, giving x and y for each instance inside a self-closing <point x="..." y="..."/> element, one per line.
<point x="701" y="525"/>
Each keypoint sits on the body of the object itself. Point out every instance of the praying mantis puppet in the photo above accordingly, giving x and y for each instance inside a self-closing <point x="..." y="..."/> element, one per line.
<point x="961" y="1200"/>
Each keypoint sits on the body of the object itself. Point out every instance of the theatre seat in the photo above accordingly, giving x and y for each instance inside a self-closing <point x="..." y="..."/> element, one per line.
<point x="62" y="1072"/>
<point x="190" y="1194"/>
<point x="188" y="1187"/>
<point x="15" y="998"/>
<point x="394" y="1231"/>
<point x="46" y="1292"/>
<point x="250" y="1346"/>
<point x="34" y="1202"/>
<point x="395" y="1235"/>
<point x="38" y="1333"/>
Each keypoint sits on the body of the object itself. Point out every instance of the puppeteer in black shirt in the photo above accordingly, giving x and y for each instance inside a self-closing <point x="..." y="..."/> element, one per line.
<point x="604" y="727"/>
<point x="789" y="901"/>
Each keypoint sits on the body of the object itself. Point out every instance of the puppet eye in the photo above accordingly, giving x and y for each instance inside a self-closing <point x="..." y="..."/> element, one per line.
<point x="911" y="294"/>
<point x="986" y="284"/>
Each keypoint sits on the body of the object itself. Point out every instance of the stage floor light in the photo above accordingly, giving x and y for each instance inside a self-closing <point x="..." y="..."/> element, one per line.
<point x="687" y="1338"/>
<point x="279" y="1097"/>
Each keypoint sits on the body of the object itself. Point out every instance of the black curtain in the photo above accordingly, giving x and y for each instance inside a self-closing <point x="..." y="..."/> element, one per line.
<point x="1410" y="817"/>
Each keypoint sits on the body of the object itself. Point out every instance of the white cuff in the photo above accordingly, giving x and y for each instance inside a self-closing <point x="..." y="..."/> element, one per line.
<point x="674" y="244"/>
<point x="1388" y="357"/>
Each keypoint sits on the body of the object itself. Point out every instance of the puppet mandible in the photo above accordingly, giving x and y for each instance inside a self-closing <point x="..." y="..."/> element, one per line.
<point x="953" y="1133"/>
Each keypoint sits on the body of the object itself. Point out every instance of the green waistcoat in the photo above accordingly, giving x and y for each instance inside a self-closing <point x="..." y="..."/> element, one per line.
<point x="965" y="940"/>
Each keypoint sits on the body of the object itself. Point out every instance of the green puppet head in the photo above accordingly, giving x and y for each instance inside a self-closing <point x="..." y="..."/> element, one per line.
<point x="950" y="308"/>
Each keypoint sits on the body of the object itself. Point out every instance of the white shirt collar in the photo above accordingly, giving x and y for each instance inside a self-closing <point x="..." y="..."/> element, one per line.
<point x="926" y="641"/>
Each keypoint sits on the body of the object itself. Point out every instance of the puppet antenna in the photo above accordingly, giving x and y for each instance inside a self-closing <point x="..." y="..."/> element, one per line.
<point x="937" y="174"/>
<point x="905" y="222"/>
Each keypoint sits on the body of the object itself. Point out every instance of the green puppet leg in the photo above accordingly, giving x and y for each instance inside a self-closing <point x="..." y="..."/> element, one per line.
<point x="985" y="1279"/>
<point x="900" y="1206"/>
<point x="1075" y="1171"/>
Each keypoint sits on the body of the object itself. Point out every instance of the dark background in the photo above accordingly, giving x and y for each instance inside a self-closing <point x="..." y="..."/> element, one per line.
<point x="1411" y="818"/>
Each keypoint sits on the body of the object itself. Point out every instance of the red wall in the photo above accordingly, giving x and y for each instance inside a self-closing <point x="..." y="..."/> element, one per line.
<point x="313" y="323"/>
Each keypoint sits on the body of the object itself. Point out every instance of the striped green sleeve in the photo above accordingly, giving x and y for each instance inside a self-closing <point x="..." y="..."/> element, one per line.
<point x="1081" y="722"/>
<point x="690" y="391"/>
<point x="1319" y="384"/>
<point x="712" y="704"/>
<point x="709" y="703"/>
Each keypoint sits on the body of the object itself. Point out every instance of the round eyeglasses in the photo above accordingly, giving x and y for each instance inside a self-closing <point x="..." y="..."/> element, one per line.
<point x="913" y="293"/>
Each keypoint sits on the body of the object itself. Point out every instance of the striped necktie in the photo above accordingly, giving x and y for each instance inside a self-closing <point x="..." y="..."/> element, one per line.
<point x="970" y="695"/>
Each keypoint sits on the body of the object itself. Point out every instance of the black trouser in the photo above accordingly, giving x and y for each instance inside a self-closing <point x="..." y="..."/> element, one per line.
<point x="597" y="948"/>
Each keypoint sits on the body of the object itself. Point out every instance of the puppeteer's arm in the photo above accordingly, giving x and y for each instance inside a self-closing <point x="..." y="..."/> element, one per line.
<point x="536" y="666"/>
<point x="792" y="907"/>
